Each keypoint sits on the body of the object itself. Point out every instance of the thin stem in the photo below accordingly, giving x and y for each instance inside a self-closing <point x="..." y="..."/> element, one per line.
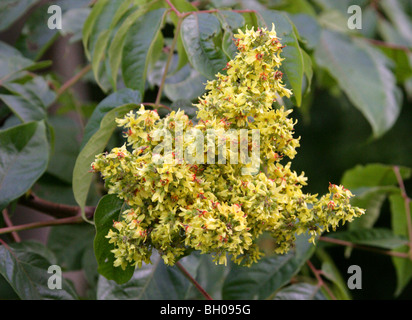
<point x="69" y="83"/>
<point x="407" y="201"/>
<point x="42" y="224"/>
<point x="193" y="281"/>
<point x="8" y="222"/>
<point x="389" y="45"/>
<point x="361" y="247"/>
<point x="169" y="60"/>
<point x="321" y="283"/>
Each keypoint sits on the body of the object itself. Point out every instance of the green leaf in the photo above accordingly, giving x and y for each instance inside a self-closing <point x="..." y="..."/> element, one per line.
<point x="90" y="23"/>
<point x="108" y="209"/>
<point x="231" y="22"/>
<point x="82" y="178"/>
<point x="364" y="76"/>
<point x="70" y="243"/>
<point x="12" y="63"/>
<point x="66" y="147"/>
<point x="29" y="100"/>
<point x="372" y="175"/>
<point x="138" y="46"/>
<point x="262" y="279"/>
<point x="293" y="64"/>
<point x="376" y="237"/>
<point x="12" y="10"/>
<point x="24" y="265"/>
<point x="154" y="281"/>
<point x="199" y="34"/>
<point x="300" y="291"/>
<point x="24" y="153"/>
<point x="186" y="84"/>
<point x="402" y="266"/>
<point x="73" y="21"/>
<point x="119" y="98"/>
<point x="116" y="46"/>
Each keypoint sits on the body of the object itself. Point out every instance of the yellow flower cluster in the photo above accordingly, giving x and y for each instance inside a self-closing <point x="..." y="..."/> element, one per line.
<point x="177" y="207"/>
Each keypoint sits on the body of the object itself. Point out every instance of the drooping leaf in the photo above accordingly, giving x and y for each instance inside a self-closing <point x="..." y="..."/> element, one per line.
<point x="82" y="178"/>
<point x="376" y="237"/>
<point x="119" y="98"/>
<point x="107" y="210"/>
<point x="364" y="76"/>
<point x="199" y="33"/>
<point x="25" y="267"/>
<point x="293" y="64"/>
<point x="138" y="46"/>
<point x="24" y="154"/>
<point x="268" y="275"/>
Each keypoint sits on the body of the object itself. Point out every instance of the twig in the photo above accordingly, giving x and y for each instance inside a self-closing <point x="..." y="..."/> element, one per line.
<point x="42" y="224"/>
<point x="69" y="83"/>
<point x="407" y="201"/>
<point x="193" y="281"/>
<point x="321" y="283"/>
<point x="56" y="210"/>
<point x="389" y="45"/>
<point x="9" y="224"/>
<point x="154" y="105"/>
<point x="169" y="60"/>
<point x="361" y="247"/>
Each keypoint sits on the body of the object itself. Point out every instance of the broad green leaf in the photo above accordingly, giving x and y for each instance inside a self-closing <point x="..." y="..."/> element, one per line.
<point x="364" y="77"/>
<point x="308" y="28"/>
<point x="23" y="108"/>
<point x="24" y="153"/>
<point x="186" y="84"/>
<point x="182" y="6"/>
<point x="24" y="265"/>
<point x="231" y="22"/>
<point x="115" y="50"/>
<point x="376" y="237"/>
<point x="107" y="211"/>
<point x="262" y="279"/>
<point x="82" y="178"/>
<point x="402" y="266"/>
<point x="300" y="291"/>
<point x="371" y="199"/>
<point x="154" y="281"/>
<point x="138" y="46"/>
<point x="90" y="23"/>
<point x="29" y="100"/>
<point x="372" y="175"/>
<point x="293" y="64"/>
<point x="12" y="10"/>
<point x="70" y="243"/>
<point x="119" y="98"/>
<point x="399" y="18"/>
<point x="12" y="63"/>
<point x="199" y="34"/>
<point x="66" y="147"/>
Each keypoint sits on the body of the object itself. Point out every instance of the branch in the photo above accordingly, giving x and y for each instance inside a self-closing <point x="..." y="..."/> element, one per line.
<point x="69" y="83"/>
<point x="193" y="281"/>
<point x="56" y="210"/>
<point x="321" y="283"/>
<point x="42" y="224"/>
<point x="9" y="224"/>
<point x="361" y="247"/>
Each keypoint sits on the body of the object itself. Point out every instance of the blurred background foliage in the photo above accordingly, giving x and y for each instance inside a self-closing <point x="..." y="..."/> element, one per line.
<point x="352" y="98"/>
